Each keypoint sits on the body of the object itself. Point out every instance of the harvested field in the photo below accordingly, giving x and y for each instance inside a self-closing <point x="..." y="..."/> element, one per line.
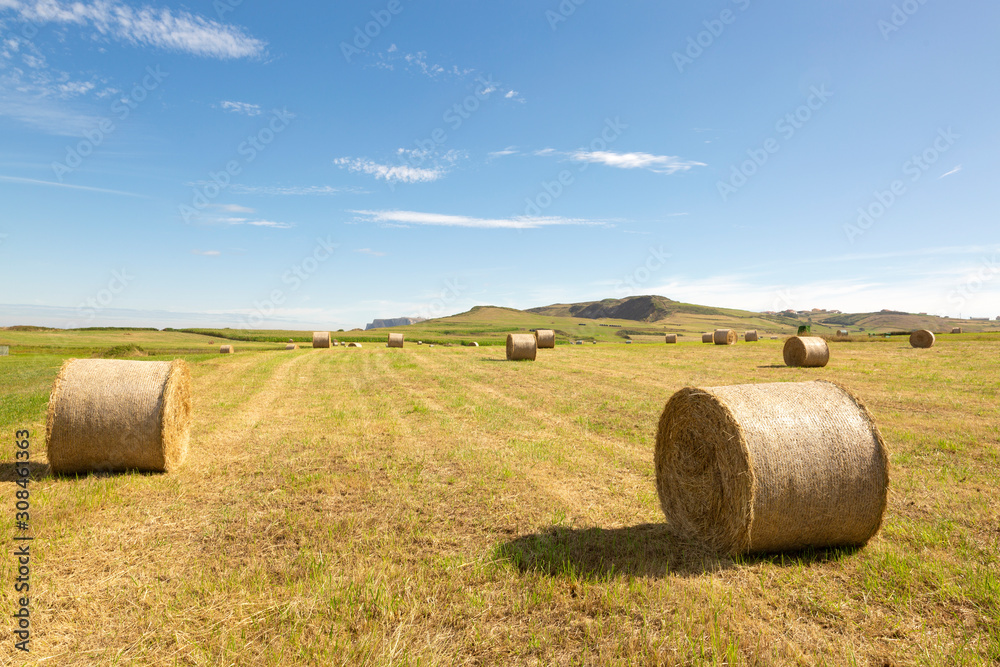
<point x="378" y="508"/>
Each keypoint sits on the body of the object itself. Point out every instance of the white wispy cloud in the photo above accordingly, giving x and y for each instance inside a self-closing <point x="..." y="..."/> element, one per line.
<point x="244" y="108"/>
<point x="143" y="26"/>
<point x="55" y="184"/>
<point x="660" y="164"/>
<point x="369" y="251"/>
<point x="294" y="190"/>
<point x="235" y="208"/>
<point x="443" y="220"/>
<point x="207" y="253"/>
<point x="400" y="173"/>
<point x="957" y="169"/>
<point x="510" y="150"/>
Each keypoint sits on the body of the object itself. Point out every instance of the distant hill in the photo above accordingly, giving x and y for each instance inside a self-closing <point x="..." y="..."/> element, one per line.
<point x="646" y="308"/>
<point x="393" y="322"/>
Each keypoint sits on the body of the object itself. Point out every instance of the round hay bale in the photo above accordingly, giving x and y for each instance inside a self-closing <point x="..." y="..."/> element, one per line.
<point x="771" y="467"/>
<point x="957" y="330"/>
<point x="290" y="340"/>
<point x="922" y="338"/>
<point x="395" y="340"/>
<point x="354" y="345"/>
<point x="806" y="351"/>
<point x="521" y="347"/>
<point x="474" y="344"/>
<point x="227" y="349"/>
<point x="842" y="333"/>
<point x="670" y="338"/>
<point x="321" y="339"/>
<point x="751" y="336"/>
<point x="291" y="346"/>
<point x="110" y="415"/>
<point x="545" y="339"/>
<point x="725" y="337"/>
<point x="707" y="337"/>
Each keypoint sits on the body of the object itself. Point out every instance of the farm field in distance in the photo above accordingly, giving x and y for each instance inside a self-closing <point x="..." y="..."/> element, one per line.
<point x="443" y="506"/>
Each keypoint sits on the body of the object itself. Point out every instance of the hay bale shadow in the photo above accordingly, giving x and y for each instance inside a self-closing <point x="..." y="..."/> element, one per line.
<point x="36" y="471"/>
<point x="644" y="550"/>
<point x="774" y="366"/>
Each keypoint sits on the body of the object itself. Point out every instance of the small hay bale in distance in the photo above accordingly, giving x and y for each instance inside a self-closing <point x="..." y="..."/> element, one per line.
<point x="707" y="337"/>
<point x="725" y="337"/>
<point x="771" y="467"/>
<point x="922" y="338"/>
<point x="806" y="352"/>
<point x="545" y="339"/>
<point x="751" y="336"/>
<point x="670" y="338"/>
<point x="957" y="330"/>
<point x="321" y="339"/>
<point x="395" y="340"/>
<point x="521" y="347"/>
<point x="842" y="333"/>
<point x="227" y="349"/>
<point x="354" y="345"/>
<point x="112" y="415"/>
<point x="474" y="344"/>
<point x="291" y="346"/>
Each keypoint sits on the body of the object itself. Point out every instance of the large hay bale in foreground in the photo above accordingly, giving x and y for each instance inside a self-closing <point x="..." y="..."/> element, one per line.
<point x="321" y="339"/>
<point x="395" y="340"/>
<point x="521" y="347"/>
<point x="806" y="351"/>
<point x="108" y="415"/>
<point x="957" y="330"/>
<point x="771" y="467"/>
<point x="227" y="349"/>
<point x="670" y="338"/>
<point x="751" y="336"/>
<point x="545" y="339"/>
<point x="922" y="338"/>
<point x="725" y="337"/>
<point x="707" y="337"/>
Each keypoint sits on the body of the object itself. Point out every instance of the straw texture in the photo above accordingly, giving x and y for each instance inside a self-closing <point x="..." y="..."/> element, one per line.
<point x="545" y="338"/>
<point x="922" y="338"/>
<point x="771" y="467"/>
<point x="806" y="351"/>
<point x="521" y="347"/>
<point x="321" y="339"/>
<point x="670" y="338"/>
<point x="751" y="336"/>
<point x="707" y="337"/>
<point x="725" y="337"/>
<point x="395" y="340"/>
<point x="227" y="349"/>
<point x="113" y="415"/>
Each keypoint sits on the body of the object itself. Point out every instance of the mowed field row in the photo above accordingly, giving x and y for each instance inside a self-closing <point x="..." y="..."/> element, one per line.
<point x="442" y="506"/>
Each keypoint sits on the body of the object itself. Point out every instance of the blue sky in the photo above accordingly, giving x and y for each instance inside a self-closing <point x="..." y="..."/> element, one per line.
<point x="247" y="163"/>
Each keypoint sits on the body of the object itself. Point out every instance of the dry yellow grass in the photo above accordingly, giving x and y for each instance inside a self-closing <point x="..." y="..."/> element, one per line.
<point x="379" y="508"/>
